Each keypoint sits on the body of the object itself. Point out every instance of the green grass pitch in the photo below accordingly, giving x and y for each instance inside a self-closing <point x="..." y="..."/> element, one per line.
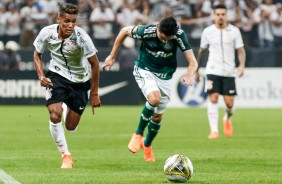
<point x="99" y="147"/>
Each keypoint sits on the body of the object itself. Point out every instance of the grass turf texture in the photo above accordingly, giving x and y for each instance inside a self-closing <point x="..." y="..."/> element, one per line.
<point x="99" y="147"/>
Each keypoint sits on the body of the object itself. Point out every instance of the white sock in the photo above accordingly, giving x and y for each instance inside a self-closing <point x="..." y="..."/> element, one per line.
<point x="65" y="110"/>
<point x="213" y="116"/>
<point x="58" y="134"/>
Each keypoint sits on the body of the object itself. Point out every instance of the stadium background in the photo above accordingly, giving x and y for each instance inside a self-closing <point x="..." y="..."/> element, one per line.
<point x="251" y="156"/>
<point x="260" y="85"/>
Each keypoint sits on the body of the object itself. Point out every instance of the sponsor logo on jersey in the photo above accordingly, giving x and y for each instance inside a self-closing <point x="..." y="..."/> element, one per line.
<point x="159" y="54"/>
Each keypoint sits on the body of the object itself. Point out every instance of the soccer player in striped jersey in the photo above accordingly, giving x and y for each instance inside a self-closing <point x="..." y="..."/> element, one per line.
<point x="153" y="72"/>
<point x="221" y="39"/>
<point x="73" y="71"/>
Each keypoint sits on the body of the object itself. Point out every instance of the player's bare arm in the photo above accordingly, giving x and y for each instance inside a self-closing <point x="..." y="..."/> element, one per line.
<point x="44" y="81"/>
<point x="242" y="60"/>
<point x="110" y="60"/>
<point x="193" y="65"/>
<point x="199" y="59"/>
<point x="95" y="99"/>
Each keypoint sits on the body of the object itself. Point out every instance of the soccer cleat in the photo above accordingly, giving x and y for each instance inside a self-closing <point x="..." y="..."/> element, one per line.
<point x="228" y="129"/>
<point x="67" y="162"/>
<point x="148" y="152"/>
<point x="135" y="143"/>
<point x="213" y="135"/>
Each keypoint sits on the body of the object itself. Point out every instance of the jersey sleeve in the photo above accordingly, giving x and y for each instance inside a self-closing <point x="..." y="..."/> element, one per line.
<point x="40" y="40"/>
<point x="204" y="40"/>
<point x="238" y="39"/>
<point x="182" y="40"/>
<point x="142" y="32"/>
<point x="86" y="43"/>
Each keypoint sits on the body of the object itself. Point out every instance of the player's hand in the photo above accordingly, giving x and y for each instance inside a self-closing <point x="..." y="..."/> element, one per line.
<point x="95" y="102"/>
<point x="187" y="79"/>
<point x="240" y="71"/>
<point x="109" y="61"/>
<point x="45" y="82"/>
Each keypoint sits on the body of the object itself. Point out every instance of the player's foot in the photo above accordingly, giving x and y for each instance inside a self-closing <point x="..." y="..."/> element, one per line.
<point x="228" y="129"/>
<point x="135" y="143"/>
<point x="213" y="135"/>
<point x="148" y="152"/>
<point x="67" y="162"/>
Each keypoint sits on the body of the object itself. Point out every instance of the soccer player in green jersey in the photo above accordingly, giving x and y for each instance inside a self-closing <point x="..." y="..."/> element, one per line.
<point x="153" y="71"/>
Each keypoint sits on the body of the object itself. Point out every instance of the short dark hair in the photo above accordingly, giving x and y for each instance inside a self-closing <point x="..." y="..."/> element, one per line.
<point x="219" y="6"/>
<point x="67" y="8"/>
<point x="168" y="26"/>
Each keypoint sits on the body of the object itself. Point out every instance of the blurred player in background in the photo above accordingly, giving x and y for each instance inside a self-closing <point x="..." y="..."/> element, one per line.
<point x="69" y="77"/>
<point x="222" y="39"/>
<point x="153" y="71"/>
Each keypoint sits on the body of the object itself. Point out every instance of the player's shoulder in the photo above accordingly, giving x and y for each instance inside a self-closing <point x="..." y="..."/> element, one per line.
<point x="144" y="31"/>
<point x="50" y="28"/>
<point x="231" y="27"/>
<point x="79" y="31"/>
<point x="210" y="28"/>
<point x="47" y="31"/>
<point x="180" y="32"/>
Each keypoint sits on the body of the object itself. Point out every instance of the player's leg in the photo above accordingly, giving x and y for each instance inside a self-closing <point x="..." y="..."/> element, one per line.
<point x="229" y="93"/>
<point x="55" y="96"/>
<point x="229" y="102"/>
<point x="147" y="84"/>
<point x="58" y="133"/>
<point x="213" y="114"/>
<point x="145" y="117"/>
<point x="227" y="124"/>
<point x="154" y="124"/>
<point x="213" y="88"/>
<point x="72" y="120"/>
<point x="65" y="111"/>
<point x="76" y="103"/>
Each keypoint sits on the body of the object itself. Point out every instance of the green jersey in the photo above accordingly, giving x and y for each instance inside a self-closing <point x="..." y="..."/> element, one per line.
<point x="156" y="56"/>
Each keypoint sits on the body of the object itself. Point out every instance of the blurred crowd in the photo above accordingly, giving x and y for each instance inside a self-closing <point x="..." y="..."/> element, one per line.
<point x="260" y="21"/>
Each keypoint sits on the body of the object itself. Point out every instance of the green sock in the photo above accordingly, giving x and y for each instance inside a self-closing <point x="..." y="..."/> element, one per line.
<point x="146" y="115"/>
<point x="153" y="129"/>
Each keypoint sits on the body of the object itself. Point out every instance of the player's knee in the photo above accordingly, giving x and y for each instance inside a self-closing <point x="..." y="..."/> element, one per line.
<point x="55" y="116"/>
<point x="155" y="101"/>
<point x="229" y="105"/>
<point x="71" y="128"/>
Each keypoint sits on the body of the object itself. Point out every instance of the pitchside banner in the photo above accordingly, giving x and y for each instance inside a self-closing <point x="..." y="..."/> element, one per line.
<point x="23" y="88"/>
<point x="258" y="88"/>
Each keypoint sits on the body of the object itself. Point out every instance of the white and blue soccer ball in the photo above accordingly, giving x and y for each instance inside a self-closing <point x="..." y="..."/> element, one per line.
<point x="178" y="168"/>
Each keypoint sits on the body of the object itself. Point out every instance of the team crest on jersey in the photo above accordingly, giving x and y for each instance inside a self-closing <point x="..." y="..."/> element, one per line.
<point x="168" y="46"/>
<point x="70" y="46"/>
<point x="71" y="43"/>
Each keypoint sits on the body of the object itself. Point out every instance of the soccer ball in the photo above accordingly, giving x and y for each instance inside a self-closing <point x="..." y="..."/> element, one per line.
<point x="178" y="168"/>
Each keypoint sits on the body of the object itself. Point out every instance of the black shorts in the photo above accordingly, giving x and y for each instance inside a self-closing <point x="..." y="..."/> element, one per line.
<point x="222" y="85"/>
<point x="75" y="95"/>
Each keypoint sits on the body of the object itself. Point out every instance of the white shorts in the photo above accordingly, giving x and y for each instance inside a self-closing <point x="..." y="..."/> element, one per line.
<point x="148" y="83"/>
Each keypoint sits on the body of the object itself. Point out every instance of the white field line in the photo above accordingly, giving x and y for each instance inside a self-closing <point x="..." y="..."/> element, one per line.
<point x="7" y="179"/>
